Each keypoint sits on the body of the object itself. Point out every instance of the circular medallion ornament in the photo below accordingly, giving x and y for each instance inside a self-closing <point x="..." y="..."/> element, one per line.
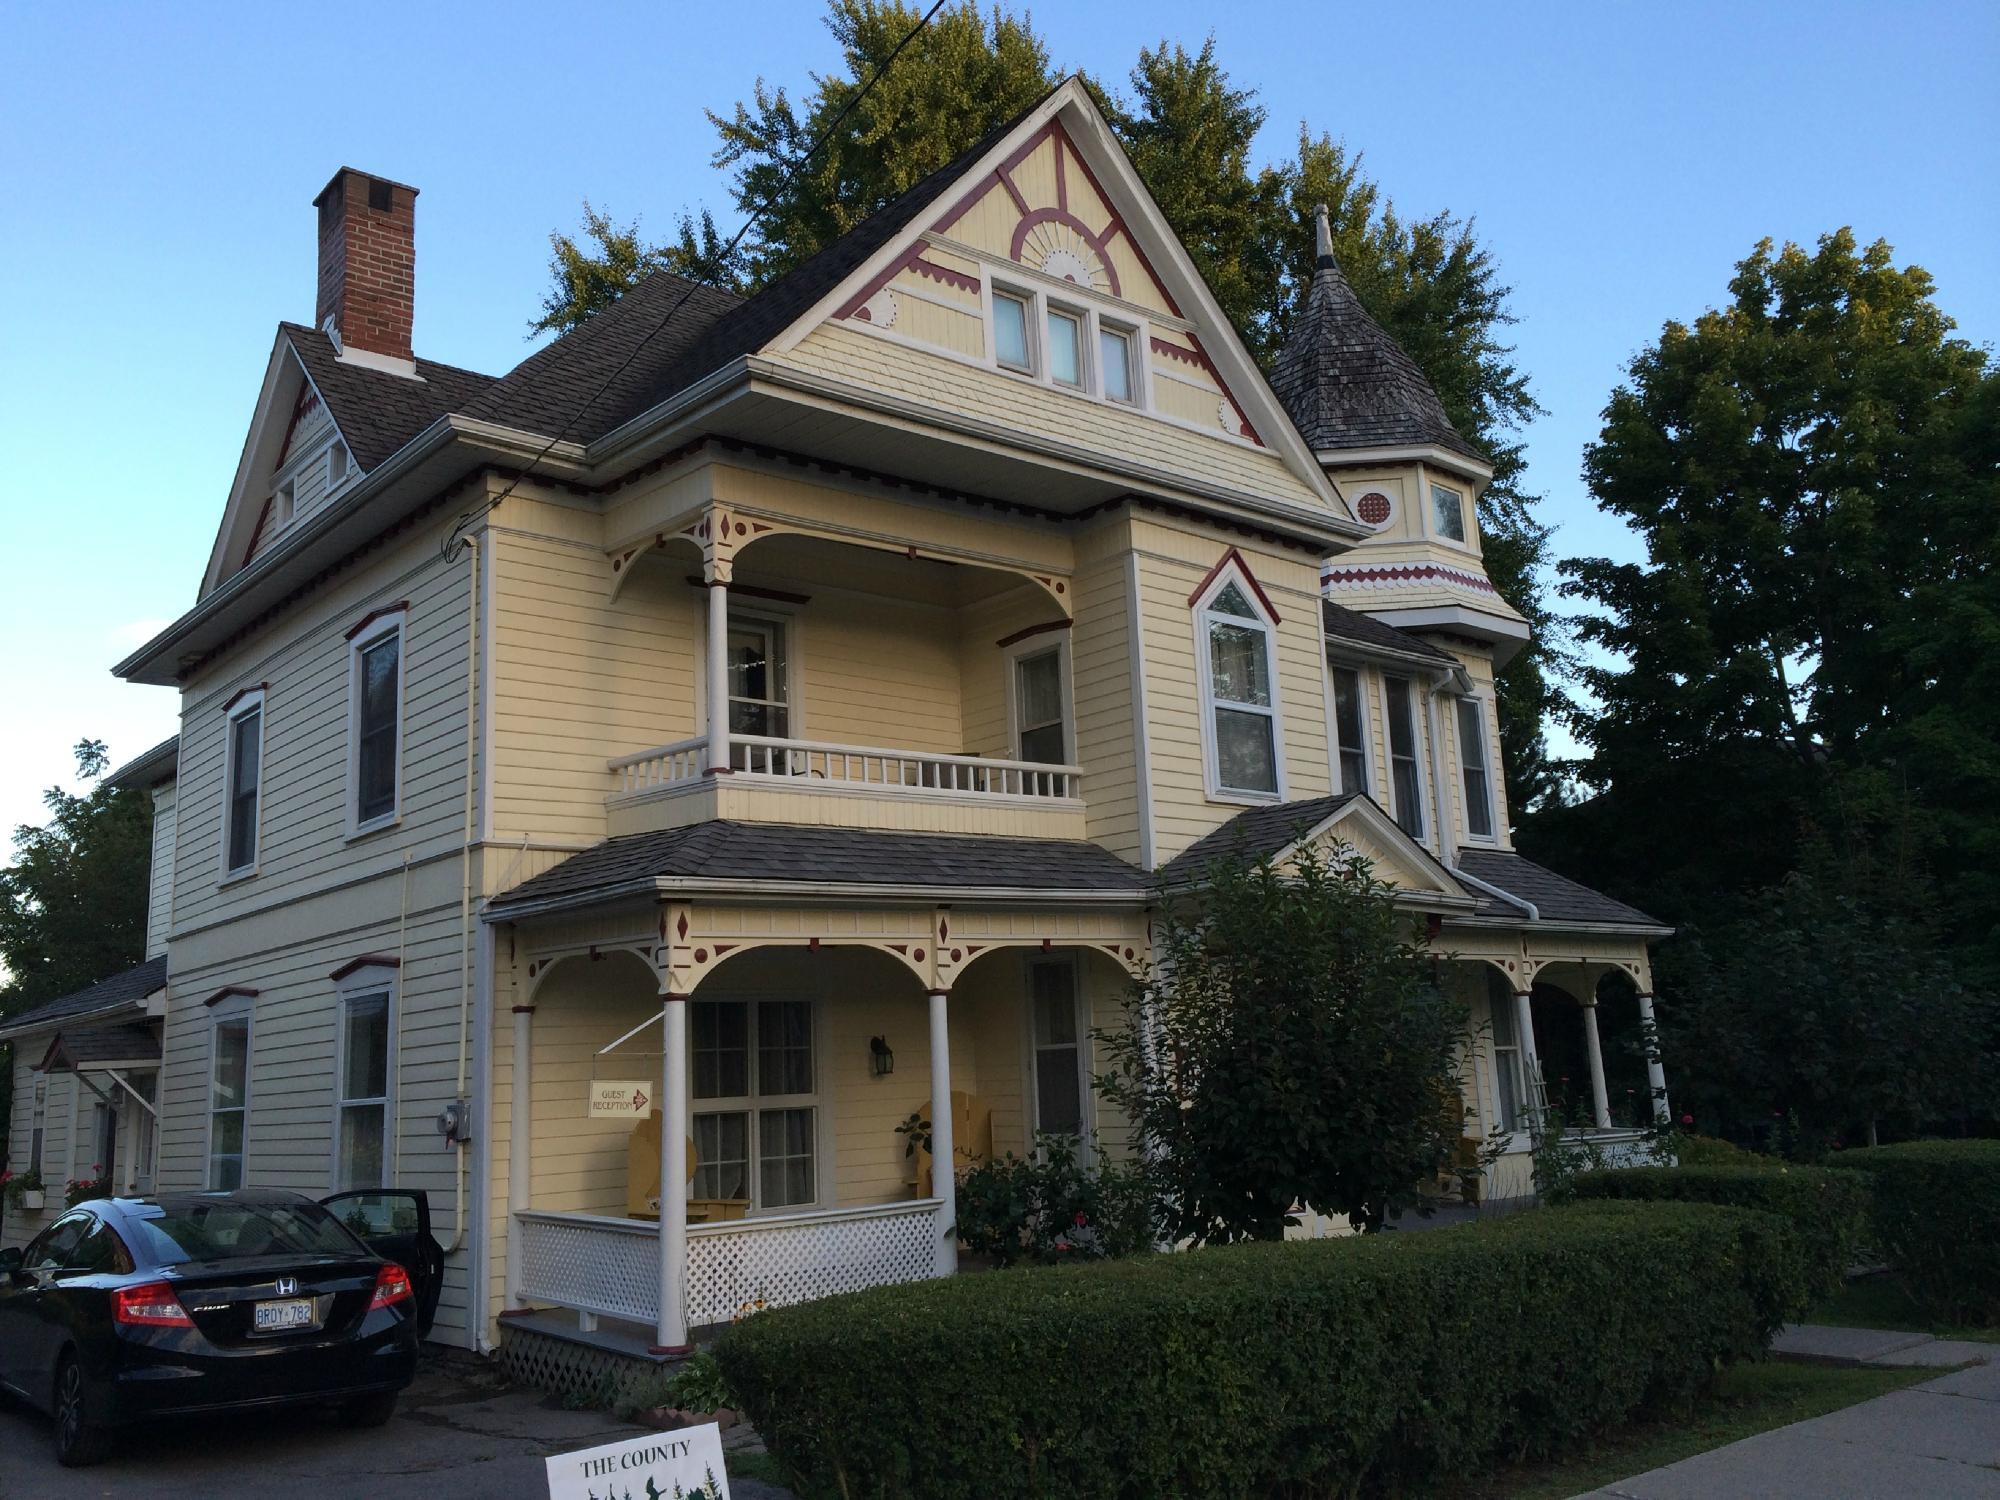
<point x="881" y="309"/>
<point x="1374" y="508"/>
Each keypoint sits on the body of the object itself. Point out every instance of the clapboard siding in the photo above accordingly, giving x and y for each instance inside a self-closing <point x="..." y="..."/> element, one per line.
<point x="160" y="881"/>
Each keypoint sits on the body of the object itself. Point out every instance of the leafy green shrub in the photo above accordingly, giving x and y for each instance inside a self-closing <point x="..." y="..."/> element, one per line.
<point x="1936" y="1220"/>
<point x="1049" y="1207"/>
<point x="1313" y="1367"/>
<point x="695" y="1385"/>
<point x="1713" y="1151"/>
<point x="1827" y="1208"/>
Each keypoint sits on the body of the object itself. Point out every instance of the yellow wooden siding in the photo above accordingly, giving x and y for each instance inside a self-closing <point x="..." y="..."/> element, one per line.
<point x="874" y="671"/>
<point x="1101" y="648"/>
<point x="160" y="876"/>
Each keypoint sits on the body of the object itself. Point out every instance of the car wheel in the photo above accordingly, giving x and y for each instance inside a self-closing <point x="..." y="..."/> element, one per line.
<point x="369" y="1411"/>
<point x="78" y="1442"/>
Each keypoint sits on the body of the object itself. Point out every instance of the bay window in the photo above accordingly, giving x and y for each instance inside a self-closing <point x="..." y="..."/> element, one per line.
<point x="1350" y="746"/>
<point x="753" y="1077"/>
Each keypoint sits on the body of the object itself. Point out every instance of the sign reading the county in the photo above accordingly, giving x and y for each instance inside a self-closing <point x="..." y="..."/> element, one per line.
<point x="683" y="1465"/>
<point x="621" y="1096"/>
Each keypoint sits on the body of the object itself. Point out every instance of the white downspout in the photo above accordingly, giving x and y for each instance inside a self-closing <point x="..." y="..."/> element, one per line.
<point x="471" y="545"/>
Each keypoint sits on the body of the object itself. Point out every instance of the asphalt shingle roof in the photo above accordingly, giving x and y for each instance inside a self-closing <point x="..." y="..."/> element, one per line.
<point x="378" y="411"/>
<point x="1347" y="383"/>
<point x="119" y="1041"/>
<point x="1556" y="897"/>
<point x="128" y="988"/>
<point x="723" y="850"/>
<point x="1365" y="630"/>
<point x="1253" y="834"/>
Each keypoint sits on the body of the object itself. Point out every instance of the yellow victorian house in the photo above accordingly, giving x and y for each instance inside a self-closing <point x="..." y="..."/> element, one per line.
<point x="759" y="722"/>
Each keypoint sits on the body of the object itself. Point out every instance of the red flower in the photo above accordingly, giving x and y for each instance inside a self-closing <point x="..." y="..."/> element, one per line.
<point x="1080" y="1221"/>
<point x="1687" y="1119"/>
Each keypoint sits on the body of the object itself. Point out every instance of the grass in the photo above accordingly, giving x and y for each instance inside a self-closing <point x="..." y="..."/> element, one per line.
<point x="1747" y="1400"/>
<point x="1878" y="1302"/>
<point x="755" y="1466"/>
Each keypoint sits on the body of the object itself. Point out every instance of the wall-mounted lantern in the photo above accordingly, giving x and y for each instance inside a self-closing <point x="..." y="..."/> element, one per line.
<point x="881" y="1060"/>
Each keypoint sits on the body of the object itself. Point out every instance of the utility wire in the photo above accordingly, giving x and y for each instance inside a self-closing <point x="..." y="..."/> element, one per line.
<point x="452" y="543"/>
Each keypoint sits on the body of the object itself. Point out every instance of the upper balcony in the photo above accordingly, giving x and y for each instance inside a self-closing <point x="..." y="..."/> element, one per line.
<point x="859" y="687"/>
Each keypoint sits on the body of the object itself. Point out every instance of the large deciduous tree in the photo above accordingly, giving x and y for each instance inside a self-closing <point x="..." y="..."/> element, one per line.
<point x="1292" y="1047"/>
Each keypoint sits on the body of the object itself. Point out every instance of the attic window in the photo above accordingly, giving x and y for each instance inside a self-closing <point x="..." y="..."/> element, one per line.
<point x="1449" y="509"/>
<point x="283" y="503"/>
<point x="336" y="465"/>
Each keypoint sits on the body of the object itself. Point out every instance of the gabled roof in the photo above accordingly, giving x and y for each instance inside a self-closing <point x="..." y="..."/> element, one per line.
<point x="730" y="853"/>
<point x="1556" y="898"/>
<point x="115" y="1041"/>
<point x="1369" y="633"/>
<point x="1254" y="834"/>
<point x="157" y="765"/>
<point x="1347" y="383"/>
<point x="117" y="992"/>
<point x="1272" y="832"/>
<point x="377" y="411"/>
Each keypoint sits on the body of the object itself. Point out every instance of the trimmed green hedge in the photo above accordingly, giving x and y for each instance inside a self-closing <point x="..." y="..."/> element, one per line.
<point x="1308" y="1368"/>
<point x="1936" y="1220"/>
<point x="1828" y="1208"/>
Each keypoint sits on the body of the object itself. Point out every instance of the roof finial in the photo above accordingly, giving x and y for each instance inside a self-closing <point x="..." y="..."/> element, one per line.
<point x="1323" y="237"/>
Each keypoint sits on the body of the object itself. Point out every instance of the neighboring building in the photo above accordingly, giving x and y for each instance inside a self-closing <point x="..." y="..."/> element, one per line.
<point x="853" y="665"/>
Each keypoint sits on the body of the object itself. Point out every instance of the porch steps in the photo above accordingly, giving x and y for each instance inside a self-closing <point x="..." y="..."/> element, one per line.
<point x="546" y="1349"/>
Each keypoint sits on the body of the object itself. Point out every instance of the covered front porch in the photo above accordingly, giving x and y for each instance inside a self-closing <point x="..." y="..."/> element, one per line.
<point x="794" y="1047"/>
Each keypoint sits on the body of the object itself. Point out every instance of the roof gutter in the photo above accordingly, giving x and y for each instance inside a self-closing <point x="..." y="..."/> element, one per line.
<point x="1534" y="912"/>
<point x="837" y="891"/>
<point x="27" y="1025"/>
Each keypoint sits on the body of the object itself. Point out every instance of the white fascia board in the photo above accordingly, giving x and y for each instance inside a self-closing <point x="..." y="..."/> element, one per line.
<point x="1421" y="453"/>
<point x="796" y="893"/>
<point x="29" y="1026"/>
<point x="253" y="442"/>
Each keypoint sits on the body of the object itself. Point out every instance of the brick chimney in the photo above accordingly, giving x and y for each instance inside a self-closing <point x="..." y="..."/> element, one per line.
<point x="368" y="268"/>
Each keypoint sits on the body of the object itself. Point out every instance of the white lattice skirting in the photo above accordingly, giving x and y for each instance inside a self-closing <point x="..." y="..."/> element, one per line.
<point x="611" y="1267"/>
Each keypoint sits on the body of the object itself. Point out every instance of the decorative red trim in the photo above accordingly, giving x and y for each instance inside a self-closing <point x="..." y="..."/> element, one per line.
<point x="1176" y="351"/>
<point x="1198" y="357"/>
<point x="257" y="534"/>
<point x="1062" y="182"/>
<point x="1373" y="577"/>
<point x="1118" y="226"/>
<point x="670" y="1351"/>
<point x="401" y="606"/>
<point x="308" y="399"/>
<point x="365" y="961"/>
<point x="1063" y="216"/>
<point x="1006" y="179"/>
<point x="524" y="1010"/>
<point x="228" y="990"/>
<point x="244" y="692"/>
<point x="1233" y="556"/>
<point x="1033" y="630"/>
<point x="751" y="591"/>
<point x="943" y="274"/>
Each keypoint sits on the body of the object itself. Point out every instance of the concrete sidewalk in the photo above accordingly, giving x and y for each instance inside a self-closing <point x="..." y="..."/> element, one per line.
<point x="1939" y="1440"/>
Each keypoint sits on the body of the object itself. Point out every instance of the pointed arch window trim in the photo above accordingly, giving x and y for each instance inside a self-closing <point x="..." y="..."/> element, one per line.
<point x="1256" y="616"/>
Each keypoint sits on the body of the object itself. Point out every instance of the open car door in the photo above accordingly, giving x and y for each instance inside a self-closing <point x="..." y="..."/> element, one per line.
<point x="396" y="1224"/>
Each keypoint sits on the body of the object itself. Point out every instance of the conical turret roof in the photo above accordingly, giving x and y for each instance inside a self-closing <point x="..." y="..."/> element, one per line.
<point x="1346" y="383"/>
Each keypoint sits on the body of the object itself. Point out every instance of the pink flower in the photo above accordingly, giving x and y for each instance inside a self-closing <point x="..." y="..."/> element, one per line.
<point x="1080" y="1221"/>
<point x="1687" y="1119"/>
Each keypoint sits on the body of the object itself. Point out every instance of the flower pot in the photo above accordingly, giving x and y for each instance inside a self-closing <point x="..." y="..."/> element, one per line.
<point x="32" y="1199"/>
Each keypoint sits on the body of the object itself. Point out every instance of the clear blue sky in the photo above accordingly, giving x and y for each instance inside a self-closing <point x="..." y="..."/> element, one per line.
<point x="160" y="163"/>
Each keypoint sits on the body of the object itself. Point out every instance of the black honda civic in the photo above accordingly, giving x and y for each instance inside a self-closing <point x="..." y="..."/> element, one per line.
<point x="126" y="1309"/>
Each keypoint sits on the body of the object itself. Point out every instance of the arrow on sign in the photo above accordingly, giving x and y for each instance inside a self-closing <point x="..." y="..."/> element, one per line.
<point x="639" y="1099"/>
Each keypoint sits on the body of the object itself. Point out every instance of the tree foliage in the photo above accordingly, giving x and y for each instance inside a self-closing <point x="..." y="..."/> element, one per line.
<point x="1249" y="227"/>
<point x="1292" y="1047"/>
<point x="73" y="902"/>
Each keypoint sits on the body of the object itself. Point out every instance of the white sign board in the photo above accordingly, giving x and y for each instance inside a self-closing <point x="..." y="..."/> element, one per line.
<point x="683" y="1465"/>
<point x="632" y="1098"/>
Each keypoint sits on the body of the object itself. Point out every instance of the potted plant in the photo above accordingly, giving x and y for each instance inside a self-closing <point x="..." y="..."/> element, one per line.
<point x="83" y="1189"/>
<point x="23" y="1189"/>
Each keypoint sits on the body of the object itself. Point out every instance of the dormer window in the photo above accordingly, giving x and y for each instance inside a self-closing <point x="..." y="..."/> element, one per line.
<point x="1067" y="345"/>
<point x="1234" y="638"/>
<point x="1448" y="512"/>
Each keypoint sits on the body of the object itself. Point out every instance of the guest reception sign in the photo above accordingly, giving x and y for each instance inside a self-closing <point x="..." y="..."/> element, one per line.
<point x="683" y="1465"/>
<point x="630" y="1097"/>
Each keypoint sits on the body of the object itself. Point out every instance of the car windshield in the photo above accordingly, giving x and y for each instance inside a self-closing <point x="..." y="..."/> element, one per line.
<point x="236" y="1231"/>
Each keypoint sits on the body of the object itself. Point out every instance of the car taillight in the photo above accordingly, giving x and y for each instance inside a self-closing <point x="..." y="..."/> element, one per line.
<point x="153" y="1305"/>
<point x="392" y="1285"/>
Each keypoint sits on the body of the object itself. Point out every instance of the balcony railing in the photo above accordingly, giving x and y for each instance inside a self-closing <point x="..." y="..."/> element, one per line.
<point x="861" y="768"/>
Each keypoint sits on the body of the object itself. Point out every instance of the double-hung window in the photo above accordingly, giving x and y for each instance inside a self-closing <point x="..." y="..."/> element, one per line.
<point x="1038" y="707"/>
<point x="1066" y="348"/>
<point x="756" y="1105"/>
<point x="243" y="771"/>
<point x="1509" y="1079"/>
<point x="228" y="1097"/>
<point x="1234" y="646"/>
<point x="1067" y="345"/>
<point x="759" y="677"/>
<point x="1405" y="776"/>
<point x="1011" y="348"/>
<point x="376" y="718"/>
<point x="362" y="1115"/>
<point x="1058" y="1040"/>
<point x="1472" y="769"/>
<point x="1116" y="362"/>
<point x="1350" y="746"/>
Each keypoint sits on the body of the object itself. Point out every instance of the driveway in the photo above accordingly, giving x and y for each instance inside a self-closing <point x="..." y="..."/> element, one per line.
<point x="459" y="1434"/>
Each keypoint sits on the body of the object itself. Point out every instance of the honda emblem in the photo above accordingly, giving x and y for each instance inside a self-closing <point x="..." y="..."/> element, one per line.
<point x="288" y="1286"/>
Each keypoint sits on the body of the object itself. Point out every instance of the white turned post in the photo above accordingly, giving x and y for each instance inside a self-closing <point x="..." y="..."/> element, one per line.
<point x="1600" y="1098"/>
<point x="1531" y="1062"/>
<point x="944" y="1160"/>
<point x="1656" y="1075"/>
<point x="520" y="1146"/>
<point x="673" y="1330"/>
<point x="718" y="675"/>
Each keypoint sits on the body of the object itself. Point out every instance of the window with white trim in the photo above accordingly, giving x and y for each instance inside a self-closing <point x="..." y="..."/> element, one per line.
<point x="1058" y="1037"/>
<point x="1477" y="782"/>
<point x="1066" y="362"/>
<point x="228" y="1095"/>
<point x="376" y="719"/>
<point x="243" y="770"/>
<point x="754" y="1084"/>
<point x="1117" y="365"/>
<point x="1237" y="683"/>
<point x="1406" y="779"/>
<point x="1041" y="732"/>
<point x="1448" y="512"/>
<point x="337" y="465"/>
<point x="1067" y="344"/>
<point x="146" y="1128"/>
<point x="1349" y="737"/>
<point x="363" y="1028"/>
<point x="1506" y="1052"/>
<point x="284" y="503"/>
<point x="1011" y="346"/>
<point x="759" y="677"/>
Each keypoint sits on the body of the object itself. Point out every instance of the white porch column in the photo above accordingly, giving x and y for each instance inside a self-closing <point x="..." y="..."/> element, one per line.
<point x="1600" y="1099"/>
<point x="944" y="1159"/>
<point x="718" y="673"/>
<point x="1531" y="1061"/>
<point x="520" y="1145"/>
<point x="672" y="1331"/>
<point x="1656" y="1074"/>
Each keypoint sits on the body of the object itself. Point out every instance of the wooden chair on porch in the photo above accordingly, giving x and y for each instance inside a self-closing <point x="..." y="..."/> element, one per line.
<point x="642" y="1181"/>
<point x="971" y="1138"/>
